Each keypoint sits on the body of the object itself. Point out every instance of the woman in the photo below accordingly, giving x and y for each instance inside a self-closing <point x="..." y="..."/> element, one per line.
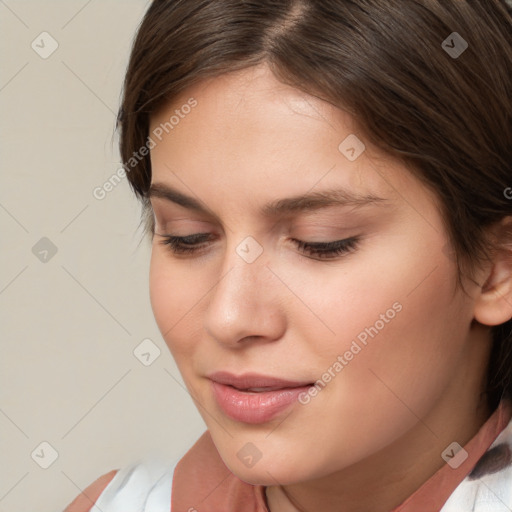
<point x="327" y="189"/>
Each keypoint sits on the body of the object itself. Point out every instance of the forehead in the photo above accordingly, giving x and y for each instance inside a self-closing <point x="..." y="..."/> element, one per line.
<point x="240" y="113"/>
<point x="247" y="92"/>
<point x="260" y="139"/>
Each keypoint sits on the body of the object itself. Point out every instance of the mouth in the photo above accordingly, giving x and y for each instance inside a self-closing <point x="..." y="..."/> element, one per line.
<point x="258" y="390"/>
<point x="255" y="381"/>
<point x="253" y="398"/>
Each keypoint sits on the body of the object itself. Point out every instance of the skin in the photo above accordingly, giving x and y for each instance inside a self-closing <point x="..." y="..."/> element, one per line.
<point x="375" y="433"/>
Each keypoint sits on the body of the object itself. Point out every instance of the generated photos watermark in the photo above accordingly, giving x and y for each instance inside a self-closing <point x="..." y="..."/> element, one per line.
<point x="357" y="345"/>
<point x="101" y="192"/>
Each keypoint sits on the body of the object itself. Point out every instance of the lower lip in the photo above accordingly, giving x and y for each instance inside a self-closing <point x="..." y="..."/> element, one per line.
<point x="254" y="407"/>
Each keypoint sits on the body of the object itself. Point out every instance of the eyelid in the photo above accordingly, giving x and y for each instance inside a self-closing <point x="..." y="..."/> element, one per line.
<point x="181" y="246"/>
<point x="325" y="217"/>
<point x="162" y="222"/>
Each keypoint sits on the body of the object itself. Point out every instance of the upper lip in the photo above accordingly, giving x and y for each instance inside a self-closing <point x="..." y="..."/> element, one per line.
<point x="254" y="380"/>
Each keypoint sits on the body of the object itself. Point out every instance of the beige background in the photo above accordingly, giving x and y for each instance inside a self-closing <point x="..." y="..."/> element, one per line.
<point x="71" y="321"/>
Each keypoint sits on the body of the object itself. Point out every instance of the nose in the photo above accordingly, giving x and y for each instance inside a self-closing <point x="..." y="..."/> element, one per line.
<point x="246" y="303"/>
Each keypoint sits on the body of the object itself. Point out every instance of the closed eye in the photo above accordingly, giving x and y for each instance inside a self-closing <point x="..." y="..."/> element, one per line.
<point x="193" y="244"/>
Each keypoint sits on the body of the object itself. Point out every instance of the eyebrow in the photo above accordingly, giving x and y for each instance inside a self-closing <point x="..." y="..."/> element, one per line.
<point x="297" y="204"/>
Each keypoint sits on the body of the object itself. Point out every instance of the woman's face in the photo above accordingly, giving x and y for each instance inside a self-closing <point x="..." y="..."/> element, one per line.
<point x="379" y="325"/>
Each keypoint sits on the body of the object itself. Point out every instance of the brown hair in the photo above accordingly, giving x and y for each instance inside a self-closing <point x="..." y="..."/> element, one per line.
<point x="390" y="64"/>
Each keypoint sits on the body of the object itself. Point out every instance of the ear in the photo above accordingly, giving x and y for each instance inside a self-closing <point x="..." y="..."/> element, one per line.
<point x="493" y="304"/>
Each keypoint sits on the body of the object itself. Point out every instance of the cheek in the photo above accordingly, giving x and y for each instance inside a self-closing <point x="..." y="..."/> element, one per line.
<point x="400" y="321"/>
<point x="175" y="298"/>
<point x="412" y="358"/>
<point x="402" y="365"/>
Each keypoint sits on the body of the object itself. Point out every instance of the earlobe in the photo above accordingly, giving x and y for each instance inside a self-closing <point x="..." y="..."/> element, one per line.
<point x="494" y="303"/>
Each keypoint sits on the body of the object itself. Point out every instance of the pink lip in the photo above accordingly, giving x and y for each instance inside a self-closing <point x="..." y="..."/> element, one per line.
<point x="254" y="380"/>
<point x="254" y="407"/>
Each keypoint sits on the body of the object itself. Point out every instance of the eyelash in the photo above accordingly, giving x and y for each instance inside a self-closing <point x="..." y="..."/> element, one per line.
<point x="182" y="245"/>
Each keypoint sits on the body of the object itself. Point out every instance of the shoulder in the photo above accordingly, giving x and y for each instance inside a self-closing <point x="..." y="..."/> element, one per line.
<point x="87" y="498"/>
<point x="147" y="480"/>
<point x="152" y="480"/>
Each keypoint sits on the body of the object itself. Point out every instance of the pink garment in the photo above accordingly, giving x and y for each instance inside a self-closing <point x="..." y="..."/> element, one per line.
<point x="200" y="481"/>
<point x="203" y="483"/>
